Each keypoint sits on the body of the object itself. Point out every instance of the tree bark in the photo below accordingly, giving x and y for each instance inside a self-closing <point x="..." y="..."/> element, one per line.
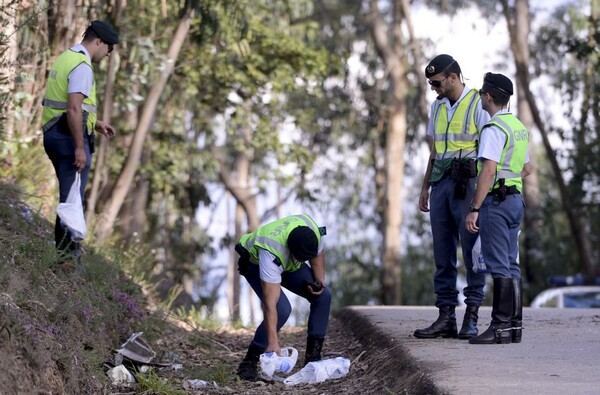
<point x="107" y="219"/>
<point x="233" y="276"/>
<point x="107" y="104"/>
<point x="576" y="223"/>
<point x="532" y="255"/>
<point x="394" y="57"/>
<point x="9" y="51"/>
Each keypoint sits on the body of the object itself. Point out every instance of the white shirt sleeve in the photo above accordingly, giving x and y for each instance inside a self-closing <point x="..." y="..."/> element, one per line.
<point x="430" y="125"/>
<point x="81" y="80"/>
<point x="270" y="272"/>
<point x="81" y="77"/>
<point x="491" y="144"/>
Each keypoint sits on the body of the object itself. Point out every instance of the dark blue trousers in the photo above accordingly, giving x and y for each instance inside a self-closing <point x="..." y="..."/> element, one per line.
<point x="60" y="148"/>
<point x="448" y="229"/>
<point x="499" y="224"/>
<point x="295" y="282"/>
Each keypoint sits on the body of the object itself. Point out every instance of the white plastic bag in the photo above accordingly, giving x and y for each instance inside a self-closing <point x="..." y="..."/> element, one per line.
<point x="478" y="262"/>
<point x="317" y="372"/>
<point x="270" y="363"/>
<point x="119" y="375"/>
<point x="71" y="211"/>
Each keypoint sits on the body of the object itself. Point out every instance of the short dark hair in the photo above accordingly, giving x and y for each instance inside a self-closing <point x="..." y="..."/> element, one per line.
<point x="90" y="34"/>
<point x="453" y="68"/>
<point x="499" y="98"/>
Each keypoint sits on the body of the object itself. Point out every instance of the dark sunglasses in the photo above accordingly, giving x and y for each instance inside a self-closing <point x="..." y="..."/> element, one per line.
<point x="437" y="84"/>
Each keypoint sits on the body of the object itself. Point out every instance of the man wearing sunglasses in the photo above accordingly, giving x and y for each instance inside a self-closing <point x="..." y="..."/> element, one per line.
<point x="455" y="122"/>
<point x="69" y="120"/>
<point x="497" y="208"/>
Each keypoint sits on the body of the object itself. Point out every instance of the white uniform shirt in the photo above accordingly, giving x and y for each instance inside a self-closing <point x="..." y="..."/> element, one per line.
<point x="270" y="272"/>
<point x="492" y="142"/>
<point x="481" y="116"/>
<point x="82" y="76"/>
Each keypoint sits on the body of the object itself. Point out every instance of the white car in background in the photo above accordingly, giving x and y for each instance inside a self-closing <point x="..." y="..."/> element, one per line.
<point x="577" y="296"/>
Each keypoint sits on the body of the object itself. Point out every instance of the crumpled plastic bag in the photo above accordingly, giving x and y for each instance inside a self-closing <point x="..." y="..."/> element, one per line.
<point x="197" y="383"/>
<point x="120" y="375"/>
<point x="477" y="257"/>
<point x="271" y="363"/>
<point x="136" y="349"/>
<point x="71" y="211"/>
<point x="317" y="372"/>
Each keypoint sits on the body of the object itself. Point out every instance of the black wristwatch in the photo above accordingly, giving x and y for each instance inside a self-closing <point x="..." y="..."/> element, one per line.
<point x="473" y="209"/>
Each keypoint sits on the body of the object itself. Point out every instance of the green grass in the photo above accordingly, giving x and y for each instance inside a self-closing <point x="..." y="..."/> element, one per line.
<point x="151" y="383"/>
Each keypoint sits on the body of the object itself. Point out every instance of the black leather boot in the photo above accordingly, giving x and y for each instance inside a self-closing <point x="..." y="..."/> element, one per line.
<point x="314" y="345"/>
<point x="444" y="326"/>
<point x="469" y="325"/>
<point x="500" y="330"/>
<point x="248" y="369"/>
<point x="517" y="319"/>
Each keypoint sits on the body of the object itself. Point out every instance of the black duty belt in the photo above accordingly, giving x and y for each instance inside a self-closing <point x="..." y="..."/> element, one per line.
<point x="510" y="190"/>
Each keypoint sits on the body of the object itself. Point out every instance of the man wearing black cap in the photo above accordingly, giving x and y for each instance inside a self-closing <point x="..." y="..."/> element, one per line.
<point x="455" y="122"/>
<point x="275" y="256"/>
<point x="69" y="120"/>
<point x="497" y="208"/>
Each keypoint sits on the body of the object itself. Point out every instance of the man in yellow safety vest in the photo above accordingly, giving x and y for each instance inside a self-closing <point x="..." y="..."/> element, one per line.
<point x="69" y="120"/>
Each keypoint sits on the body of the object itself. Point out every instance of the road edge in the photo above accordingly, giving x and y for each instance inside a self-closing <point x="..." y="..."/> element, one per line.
<point x="393" y="369"/>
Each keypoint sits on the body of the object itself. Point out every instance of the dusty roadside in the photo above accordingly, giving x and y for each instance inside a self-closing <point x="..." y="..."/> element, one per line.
<point x="388" y="370"/>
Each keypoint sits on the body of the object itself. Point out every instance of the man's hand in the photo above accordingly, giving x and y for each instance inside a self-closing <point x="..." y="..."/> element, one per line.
<point x="424" y="200"/>
<point x="105" y="129"/>
<point x="80" y="159"/>
<point x="315" y="288"/>
<point x="471" y="222"/>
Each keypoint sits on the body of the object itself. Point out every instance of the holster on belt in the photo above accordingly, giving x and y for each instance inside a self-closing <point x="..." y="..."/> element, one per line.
<point x="461" y="170"/>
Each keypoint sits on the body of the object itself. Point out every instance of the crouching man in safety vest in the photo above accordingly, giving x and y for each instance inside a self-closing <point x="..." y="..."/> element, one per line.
<point x="69" y="119"/>
<point x="276" y="256"/>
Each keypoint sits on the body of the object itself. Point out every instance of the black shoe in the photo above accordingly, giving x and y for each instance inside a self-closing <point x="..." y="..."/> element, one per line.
<point x="500" y="330"/>
<point x="444" y="326"/>
<point x="497" y="333"/>
<point x="248" y="369"/>
<point x="314" y="345"/>
<point x="469" y="325"/>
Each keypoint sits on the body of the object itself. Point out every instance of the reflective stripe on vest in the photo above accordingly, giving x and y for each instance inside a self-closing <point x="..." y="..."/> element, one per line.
<point x="514" y="151"/>
<point x="457" y="137"/>
<point x="273" y="238"/>
<point x="61" y="105"/>
<point x="56" y="96"/>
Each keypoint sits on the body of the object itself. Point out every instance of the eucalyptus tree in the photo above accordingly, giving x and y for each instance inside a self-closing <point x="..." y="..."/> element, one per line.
<point x="556" y="53"/>
<point x="132" y="161"/>
<point x="567" y="50"/>
<point x="263" y="138"/>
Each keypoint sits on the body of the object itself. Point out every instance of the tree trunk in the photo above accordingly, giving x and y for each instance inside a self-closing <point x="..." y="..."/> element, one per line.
<point x="532" y="255"/>
<point x="124" y="182"/>
<point x="8" y="65"/>
<point x="107" y="104"/>
<point x="576" y="223"/>
<point x="233" y="276"/>
<point x="394" y="57"/>
<point x="66" y="24"/>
